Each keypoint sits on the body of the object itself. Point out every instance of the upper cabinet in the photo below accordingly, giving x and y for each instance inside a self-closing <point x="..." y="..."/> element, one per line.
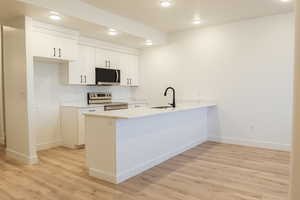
<point x="129" y="70"/>
<point x="82" y="71"/>
<point x="80" y="56"/>
<point x="107" y="59"/>
<point x="45" y="45"/>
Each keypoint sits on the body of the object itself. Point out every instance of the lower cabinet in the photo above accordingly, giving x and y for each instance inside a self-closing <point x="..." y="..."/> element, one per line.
<point x="72" y="125"/>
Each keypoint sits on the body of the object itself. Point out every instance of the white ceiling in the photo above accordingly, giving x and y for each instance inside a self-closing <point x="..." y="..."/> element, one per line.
<point x="139" y="20"/>
<point x="10" y="9"/>
<point x="179" y="16"/>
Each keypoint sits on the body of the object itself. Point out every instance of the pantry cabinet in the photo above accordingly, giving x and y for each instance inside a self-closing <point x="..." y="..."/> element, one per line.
<point x="54" y="47"/>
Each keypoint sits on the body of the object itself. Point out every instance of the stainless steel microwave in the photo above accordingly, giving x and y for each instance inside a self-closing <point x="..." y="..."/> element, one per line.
<point x="106" y="76"/>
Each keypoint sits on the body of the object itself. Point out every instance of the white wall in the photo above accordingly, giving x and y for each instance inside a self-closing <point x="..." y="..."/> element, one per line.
<point x="50" y="94"/>
<point x="1" y="94"/>
<point x="15" y="87"/>
<point x="247" y="67"/>
<point x="295" y="166"/>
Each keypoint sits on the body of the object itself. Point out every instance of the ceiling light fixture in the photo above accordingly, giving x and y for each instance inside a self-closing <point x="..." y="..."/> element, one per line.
<point x="54" y="16"/>
<point x="165" y="3"/>
<point x="112" y="32"/>
<point x="148" y="43"/>
<point x="196" y="21"/>
<point x="284" y="0"/>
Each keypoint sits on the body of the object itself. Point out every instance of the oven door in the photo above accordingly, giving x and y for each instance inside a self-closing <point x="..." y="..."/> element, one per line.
<point x="107" y="76"/>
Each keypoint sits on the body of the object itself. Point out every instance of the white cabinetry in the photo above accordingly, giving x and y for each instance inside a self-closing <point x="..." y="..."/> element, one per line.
<point x="107" y="59"/>
<point x="73" y="125"/>
<point x="81" y="56"/>
<point x="45" y="45"/>
<point x="82" y="71"/>
<point x="129" y="70"/>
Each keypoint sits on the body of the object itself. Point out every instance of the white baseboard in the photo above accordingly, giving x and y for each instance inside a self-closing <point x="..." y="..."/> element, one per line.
<point x="44" y="146"/>
<point x="267" y="145"/>
<point x="21" y="157"/>
<point x="103" y="175"/>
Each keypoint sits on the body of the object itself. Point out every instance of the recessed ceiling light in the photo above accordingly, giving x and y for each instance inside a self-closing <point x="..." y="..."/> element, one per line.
<point x="112" y="32"/>
<point x="165" y="3"/>
<point x="285" y="0"/>
<point x="54" y="16"/>
<point x="148" y="43"/>
<point x="197" y="21"/>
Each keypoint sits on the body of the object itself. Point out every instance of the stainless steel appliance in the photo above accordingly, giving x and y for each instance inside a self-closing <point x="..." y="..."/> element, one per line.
<point x="99" y="98"/>
<point x="115" y="106"/>
<point x="105" y="98"/>
<point x="106" y="76"/>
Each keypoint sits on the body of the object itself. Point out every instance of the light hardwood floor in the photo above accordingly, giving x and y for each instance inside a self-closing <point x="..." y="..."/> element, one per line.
<point x="211" y="171"/>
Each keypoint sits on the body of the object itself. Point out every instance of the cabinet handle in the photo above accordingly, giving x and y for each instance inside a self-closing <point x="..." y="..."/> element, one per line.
<point x="54" y="51"/>
<point x="59" y="52"/>
<point x="80" y="78"/>
<point x="85" y="78"/>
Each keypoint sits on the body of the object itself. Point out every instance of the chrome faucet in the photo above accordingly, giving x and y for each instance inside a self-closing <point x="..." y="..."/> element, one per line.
<point x="174" y="93"/>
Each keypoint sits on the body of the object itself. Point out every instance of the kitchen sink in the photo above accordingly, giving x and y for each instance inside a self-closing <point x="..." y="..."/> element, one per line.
<point x="162" y="107"/>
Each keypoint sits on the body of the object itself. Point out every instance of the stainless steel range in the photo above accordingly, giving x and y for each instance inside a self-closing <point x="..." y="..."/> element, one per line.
<point x="105" y="98"/>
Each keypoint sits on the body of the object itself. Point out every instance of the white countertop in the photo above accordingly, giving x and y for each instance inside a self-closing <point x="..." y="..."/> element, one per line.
<point x="146" y="111"/>
<point x="85" y="105"/>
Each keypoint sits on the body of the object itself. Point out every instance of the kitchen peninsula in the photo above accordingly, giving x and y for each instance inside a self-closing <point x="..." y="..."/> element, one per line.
<point x="123" y="143"/>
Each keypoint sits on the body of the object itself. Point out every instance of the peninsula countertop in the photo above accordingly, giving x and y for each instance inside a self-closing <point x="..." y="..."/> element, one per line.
<point x="85" y="105"/>
<point x="146" y="111"/>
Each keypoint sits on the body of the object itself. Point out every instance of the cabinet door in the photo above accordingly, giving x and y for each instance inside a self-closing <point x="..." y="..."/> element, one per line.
<point x="81" y="128"/>
<point x="124" y="67"/>
<point x="101" y="58"/>
<point x="88" y="62"/>
<point x="77" y="69"/>
<point x="129" y="70"/>
<point x="67" y="49"/>
<point x="135" y="71"/>
<point x="75" y="73"/>
<point x="114" y="59"/>
<point x="82" y="71"/>
<point x="44" y="45"/>
<point x="81" y="123"/>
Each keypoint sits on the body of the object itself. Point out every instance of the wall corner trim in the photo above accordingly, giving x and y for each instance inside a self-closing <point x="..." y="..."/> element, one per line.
<point x="22" y="157"/>
<point x="1" y="140"/>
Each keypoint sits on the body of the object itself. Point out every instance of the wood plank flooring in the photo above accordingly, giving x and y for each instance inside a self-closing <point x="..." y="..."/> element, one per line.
<point x="211" y="171"/>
